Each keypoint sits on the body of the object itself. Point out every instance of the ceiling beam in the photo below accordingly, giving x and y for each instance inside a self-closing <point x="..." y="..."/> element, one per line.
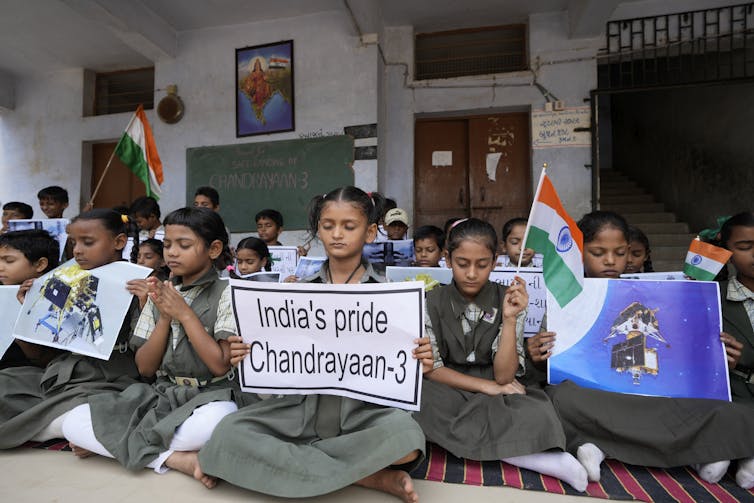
<point x="7" y="91"/>
<point x="588" y="17"/>
<point x="133" y="23"/>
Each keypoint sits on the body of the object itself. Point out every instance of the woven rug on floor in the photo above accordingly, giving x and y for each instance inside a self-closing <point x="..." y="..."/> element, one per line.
<point x="618" y="481"/>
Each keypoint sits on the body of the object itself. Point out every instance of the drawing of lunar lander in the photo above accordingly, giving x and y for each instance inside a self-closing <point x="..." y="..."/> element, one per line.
<point x="71" y="292"/>
<point x="636" y="323"/>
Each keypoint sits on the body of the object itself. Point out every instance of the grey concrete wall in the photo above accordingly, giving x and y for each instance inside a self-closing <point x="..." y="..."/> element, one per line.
<point x="693" y="148"/>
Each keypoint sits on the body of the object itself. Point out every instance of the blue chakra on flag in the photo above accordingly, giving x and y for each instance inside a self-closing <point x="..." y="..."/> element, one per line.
<point x="565" y="241"/>
<point x="696" y="260"/>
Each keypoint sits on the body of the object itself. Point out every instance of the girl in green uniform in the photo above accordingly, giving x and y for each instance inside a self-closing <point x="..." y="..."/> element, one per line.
<point x="472" y="404"/>
<point x="181" y="339"/>
<point x="35" y="400"/>
<point x="306" y="445"/>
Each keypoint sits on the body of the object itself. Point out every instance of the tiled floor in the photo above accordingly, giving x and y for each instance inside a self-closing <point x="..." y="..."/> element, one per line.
<point x="35" y="475"/>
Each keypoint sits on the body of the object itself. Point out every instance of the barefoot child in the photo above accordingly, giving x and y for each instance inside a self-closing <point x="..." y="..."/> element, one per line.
<point x="26" y="255"/>
<point x="306" y="445"/>
<point x="35" y="400"/>
<point x="472" y="404"/>
<point x="181" y="338"/>
<point x="641" y="430"/>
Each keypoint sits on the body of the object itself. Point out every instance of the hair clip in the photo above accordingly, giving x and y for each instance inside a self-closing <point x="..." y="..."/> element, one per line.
<point x="457" y="222"/>
<point x="124" y="218"/>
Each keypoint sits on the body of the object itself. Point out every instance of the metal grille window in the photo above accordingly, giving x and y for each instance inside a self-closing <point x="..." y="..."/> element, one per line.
<point x="708" y="45"/>
<point x="478" y="51"/>
<point x="117" y="92"/>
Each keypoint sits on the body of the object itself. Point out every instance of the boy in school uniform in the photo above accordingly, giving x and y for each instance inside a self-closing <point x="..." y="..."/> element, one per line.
<point x="396" y="224"/>
<point x="15" y="210"/>
<point x="146" y="212"/>
<point x="26" y="255"/>
<point x="269" y="226"/>
<point x="53" y="200"/>
<point x="429" y="243"/>
<point x="207" y="197"/>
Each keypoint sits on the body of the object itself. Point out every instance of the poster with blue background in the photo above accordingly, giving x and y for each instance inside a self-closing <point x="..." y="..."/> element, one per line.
<point x="657" y="338"/>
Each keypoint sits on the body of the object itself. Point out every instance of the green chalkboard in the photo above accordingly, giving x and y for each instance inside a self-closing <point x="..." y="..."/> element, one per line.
<point x="283" y="175"/>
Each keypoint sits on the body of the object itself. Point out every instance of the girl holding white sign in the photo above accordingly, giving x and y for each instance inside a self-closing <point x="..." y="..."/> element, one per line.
<point x="472" y="404"/>
<point x="642" y="430"/>
<point x="181" y="338"/>
<point x="35" y="400"/>
<point x="307" y="445"/>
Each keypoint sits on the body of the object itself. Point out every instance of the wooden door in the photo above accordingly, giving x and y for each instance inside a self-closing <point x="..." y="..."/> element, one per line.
<point x="120" y="185"/>
<point x="469" y="187"/>
<point x="442" y="186"/>
<point x="499" y="167"/>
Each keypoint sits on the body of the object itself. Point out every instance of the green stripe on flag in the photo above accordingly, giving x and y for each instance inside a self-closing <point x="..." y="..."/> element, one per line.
<point x="559" y="278"/>
<point x="131" y="154"/>
<point x="698" y="273"/>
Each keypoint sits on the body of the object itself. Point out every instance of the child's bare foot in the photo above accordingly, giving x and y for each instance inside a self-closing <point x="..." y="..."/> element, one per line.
<point x="395" y="482"/>
<point x="188" y="462"/>
<point x="80" y="452"/>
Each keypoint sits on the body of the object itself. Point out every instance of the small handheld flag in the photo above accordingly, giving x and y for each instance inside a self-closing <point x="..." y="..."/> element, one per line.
<point x="704" y="261"/>
<point x="552" y="232"/>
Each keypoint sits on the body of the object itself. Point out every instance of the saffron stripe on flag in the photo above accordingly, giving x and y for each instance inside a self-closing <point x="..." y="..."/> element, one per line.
<point x="710" y="251"/>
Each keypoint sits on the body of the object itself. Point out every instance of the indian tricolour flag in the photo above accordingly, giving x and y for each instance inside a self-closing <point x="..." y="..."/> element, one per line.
<point x="552" y="232"/>
<point x="704" y="261"/>
<point x="137" y="150"/>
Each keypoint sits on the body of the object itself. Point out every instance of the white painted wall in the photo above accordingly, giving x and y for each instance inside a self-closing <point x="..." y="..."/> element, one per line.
<point x="568" y="70"/>
<point x="335" y="86"/>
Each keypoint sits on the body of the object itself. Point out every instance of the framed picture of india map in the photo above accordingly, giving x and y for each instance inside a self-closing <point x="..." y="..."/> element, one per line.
<point x="264" y="89"/>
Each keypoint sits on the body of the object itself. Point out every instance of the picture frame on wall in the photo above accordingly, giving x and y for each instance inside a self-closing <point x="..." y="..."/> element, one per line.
<point x="264" y="89"/>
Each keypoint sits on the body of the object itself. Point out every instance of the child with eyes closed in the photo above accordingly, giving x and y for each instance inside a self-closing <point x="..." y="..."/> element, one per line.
<point x="641" y="430"/>
<point x="181" y="339"/>
<point x="472" y="403"/>
<point x="307" y="445"/>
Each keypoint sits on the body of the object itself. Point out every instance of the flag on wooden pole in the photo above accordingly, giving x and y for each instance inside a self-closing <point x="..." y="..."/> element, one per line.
<point x="137" y="150"/>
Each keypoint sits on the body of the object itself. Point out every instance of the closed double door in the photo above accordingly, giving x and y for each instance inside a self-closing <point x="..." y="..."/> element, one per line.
<point x="472" y="167"/>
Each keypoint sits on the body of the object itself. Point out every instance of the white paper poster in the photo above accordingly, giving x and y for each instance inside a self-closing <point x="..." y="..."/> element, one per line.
<point x="9" y="309"/>
<point x="284" y="260"/>
<point x="78" y="310"/>
<point x="431" y="276"/>
<point x="535" y="287"/>
<point x="348" y="340"/>
<point x="309" y="266"/>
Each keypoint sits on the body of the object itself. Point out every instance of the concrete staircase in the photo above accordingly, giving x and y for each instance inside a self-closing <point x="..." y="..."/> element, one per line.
<point x="668" y="239"/>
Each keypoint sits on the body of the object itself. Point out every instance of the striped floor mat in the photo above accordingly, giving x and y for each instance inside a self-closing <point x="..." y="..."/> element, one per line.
<point x="618" y="481"/>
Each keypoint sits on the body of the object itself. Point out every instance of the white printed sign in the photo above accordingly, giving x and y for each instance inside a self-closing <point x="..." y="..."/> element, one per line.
<point x="556" y="129"/>
<point x="284" y="260"/>
<point x="348" y="340"/>
<point x="535" y="287"/>
<point x="9" y="309"/>
<point x="78" y="310"/>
